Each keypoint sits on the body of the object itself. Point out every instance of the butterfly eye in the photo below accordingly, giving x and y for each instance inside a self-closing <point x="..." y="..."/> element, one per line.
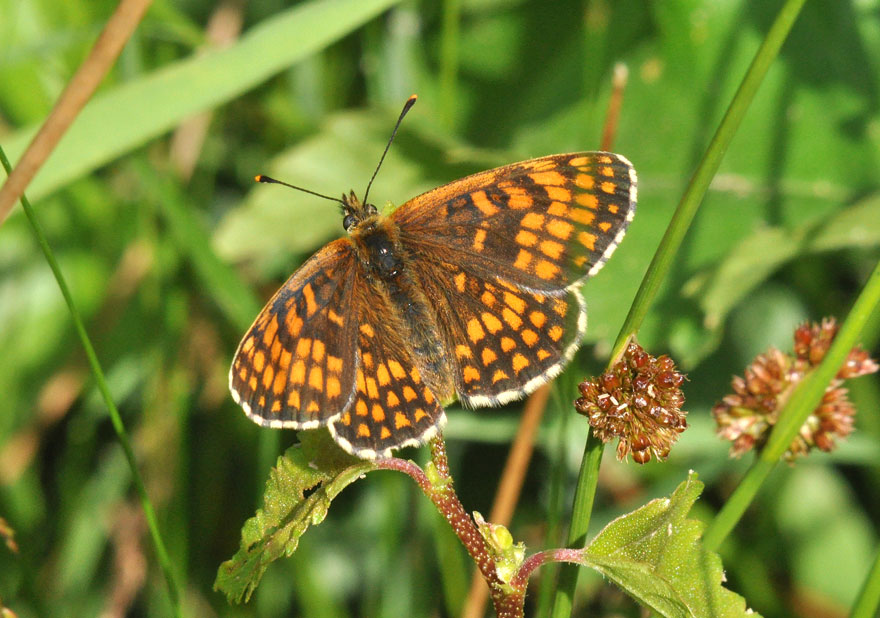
<point x="348" y="221"/>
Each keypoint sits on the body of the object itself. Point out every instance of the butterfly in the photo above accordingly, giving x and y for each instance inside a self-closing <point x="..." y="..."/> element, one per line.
<point x="468" y="290"/>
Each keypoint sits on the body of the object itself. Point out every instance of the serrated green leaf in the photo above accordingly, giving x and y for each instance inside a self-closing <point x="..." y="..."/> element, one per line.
<point x="655" y="554"/>
<point x="316" y="466"/>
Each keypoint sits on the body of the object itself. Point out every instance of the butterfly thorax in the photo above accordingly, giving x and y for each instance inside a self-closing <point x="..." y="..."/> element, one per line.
<point x="383" y="258"/>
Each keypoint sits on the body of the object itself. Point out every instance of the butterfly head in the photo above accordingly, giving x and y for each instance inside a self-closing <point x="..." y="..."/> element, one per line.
<point x="355" y="212"/>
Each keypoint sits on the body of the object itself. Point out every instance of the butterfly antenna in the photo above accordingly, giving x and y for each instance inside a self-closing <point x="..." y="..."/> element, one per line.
<point x="269" y="180"/>
<point x="406" y="106"/>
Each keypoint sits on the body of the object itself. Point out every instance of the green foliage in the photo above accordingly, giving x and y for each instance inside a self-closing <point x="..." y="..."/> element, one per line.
<point x="655" y="554"/>
<point x="314" y="466"/>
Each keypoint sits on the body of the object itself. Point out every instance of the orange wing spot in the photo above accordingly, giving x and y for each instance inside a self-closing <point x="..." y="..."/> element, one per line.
<point x="522" y="259"/>
<point x="460" y="280"/>
<point x="271" y="330"/>
<point x="499" y="375"/>
<point x="507" y="344"/>
<point x="262" y="401"/>
<point x="529" y="337"/>
<point x="578" y="161"/>
<point x="408" y="393"/>
<point x="384" y="433"/>
<point x="605" y="226"/>
<point x="552" y="249"/>
<point x="397" y="369"/>
<point x="392" y="400"/>
<point x="488" y="298"/>
<point x="580" y="260"/>
<point x="259" y="361"/>
<point x="335" y="317"/>
<point x="475" y="330"/>
<point x="606" y="159"/>
<point x="367" y="330"/>
<point x="293" y="400"/>
<point x="334" y="363"/>
<point x="483" y="204"/>
<point x="546" y="270"/>
<point x="588" y="240"/>
<point x="372" y="389"/>
<point x="560" y="307"/>
<point x="560" y="194"/>
<point x="519" y="363"/>
<point x="367" y="359"/>
<point x="318" y="351"/>
<point x="489" y="356"/>
<point x="276" y="406"/>
<point x="555" y="332"/>
<point x="334" y="389"/>
<point x="309" y="295"/>
<point x="548" y="178"/>
<point x="582" y="216"/>
<point x="276" y="351"/>
<point x="560" y="229"/>
<point x="377" y="413"/>
<point x="607" y="171"/>
<point x="543" y="354"/>
<point x="470" y="374"/>
<point x="608" y="187"/>
<point x="532" y="220"/>
<point x="303" y="346"/>
<point x="360" y="408"/>
<point x="298" y="373"/>
<point x="526" y="238"/>
<point x="519" y="199"/>
<point x="415" y="376"/>
<point x="248" y="345"/>
<point x="383" y="375"/>
<point x="588" y="199"/>
<point x="268" y="376"/>
<point x="584" y="181"/>
<point x="400" y="420"/>
<point x="479" y="238"/>
<point x="513" y="320"/>
<point x="361" y="383"/>
<point x="613" y="209"/>
<point x="316" y="379"/>
<point x="491" y="322"/>
<point x="429" y="396"/>
<point x="313" y="407"/>
<point x="346" y="419"/>
<point x="515" y="302"/>
<point x="280" y="382"/>
<point x="363" y="431"/>
<point x="462" y="351"/>
<point x="294" y="324"/>
<point x="243" y="374"/>
<point x="557" y="209"/>
<point x="419" y="414"/>
<point x="537" y="318"/>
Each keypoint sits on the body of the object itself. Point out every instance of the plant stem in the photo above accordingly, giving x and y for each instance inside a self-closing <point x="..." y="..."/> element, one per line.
<point x="804" y="399"/>
<point x="662" y="262"/>
<point x="100" y="381"/>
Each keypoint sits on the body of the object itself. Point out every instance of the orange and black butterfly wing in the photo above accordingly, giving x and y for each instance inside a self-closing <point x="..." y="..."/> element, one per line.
<point x="296" y="365"/>
<point x="392" y="406"/>
<point x="543" y="224"/>
<point x="500" y="255"/>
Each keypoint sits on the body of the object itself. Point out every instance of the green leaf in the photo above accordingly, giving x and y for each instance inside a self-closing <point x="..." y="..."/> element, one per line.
<point x="162" y="99"/>
<point x="316" y="466"/>
<point x="655" y="554"/>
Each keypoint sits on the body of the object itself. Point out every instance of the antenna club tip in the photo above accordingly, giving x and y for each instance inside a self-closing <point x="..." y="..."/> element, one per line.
<point x="412" y="98"/>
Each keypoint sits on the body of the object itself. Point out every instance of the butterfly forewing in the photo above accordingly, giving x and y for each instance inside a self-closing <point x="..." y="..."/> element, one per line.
<point x="296" y="365"/>
<point x="544" y="224"/>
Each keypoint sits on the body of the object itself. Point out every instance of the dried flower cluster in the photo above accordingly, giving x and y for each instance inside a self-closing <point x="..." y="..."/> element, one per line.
<point x="639" y="401"/>
<point x="747" y="416"/>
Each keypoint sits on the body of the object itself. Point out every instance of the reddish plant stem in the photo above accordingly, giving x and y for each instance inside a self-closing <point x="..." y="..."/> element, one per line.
<point x="521" y="579"/>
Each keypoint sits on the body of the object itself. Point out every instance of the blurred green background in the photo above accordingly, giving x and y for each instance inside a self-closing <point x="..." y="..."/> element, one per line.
<point x="171" y="249"/>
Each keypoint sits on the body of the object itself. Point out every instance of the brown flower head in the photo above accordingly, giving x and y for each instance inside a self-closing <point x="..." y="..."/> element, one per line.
<point x="746" y="416"/>
<point x="639" y="401"/>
